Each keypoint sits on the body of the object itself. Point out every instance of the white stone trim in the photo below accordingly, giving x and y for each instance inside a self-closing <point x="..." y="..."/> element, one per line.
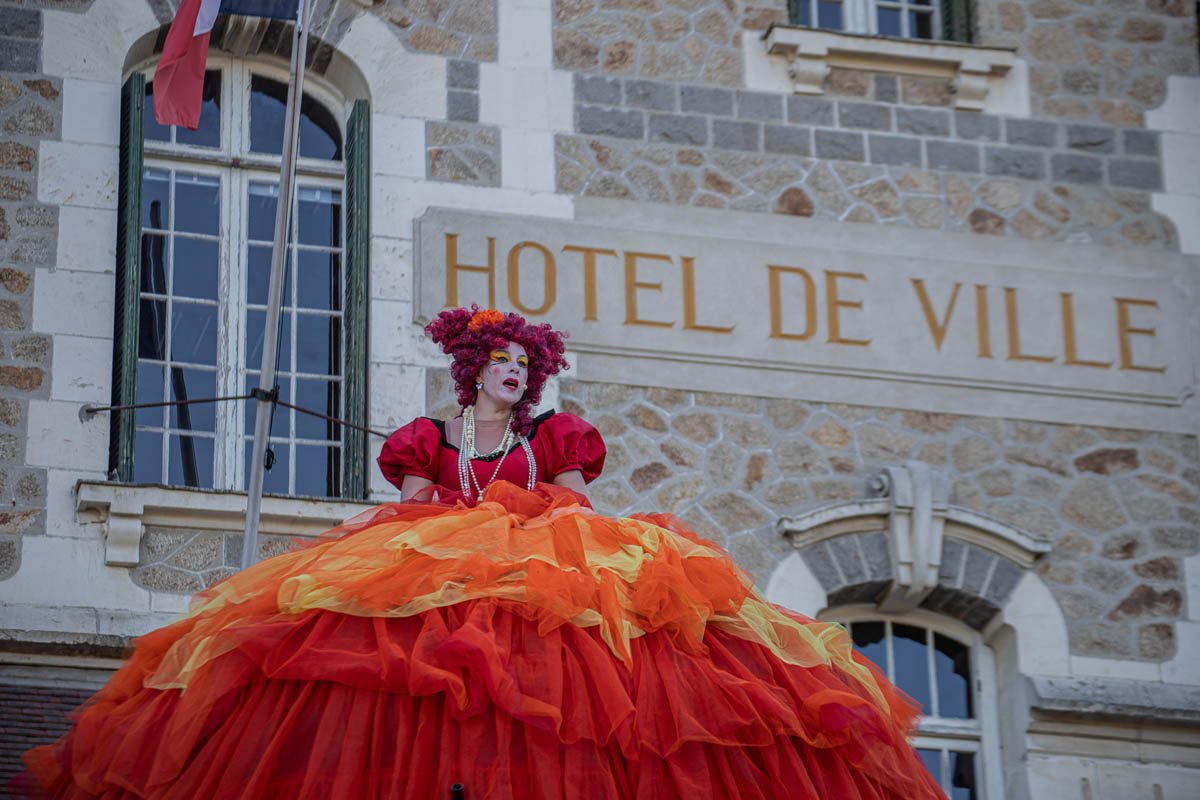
<point x="402" y="84"/>
<point x="1179" y="119"/>
<point x="811" y="53"/>
<point x="126" y="510"/>
<point x="1043" y="645"/>
<point x="793" y="585"/>
<point x="93" y="45"/>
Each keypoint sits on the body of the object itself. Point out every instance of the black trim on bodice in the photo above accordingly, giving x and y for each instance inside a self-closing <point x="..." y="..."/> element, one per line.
<point x="537" y="421"/>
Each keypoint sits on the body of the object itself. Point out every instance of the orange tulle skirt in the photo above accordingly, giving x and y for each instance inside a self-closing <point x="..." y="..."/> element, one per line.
<point x="526" y="647"/>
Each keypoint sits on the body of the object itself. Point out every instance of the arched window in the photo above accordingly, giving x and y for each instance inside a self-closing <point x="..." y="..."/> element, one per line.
<point x="950" y="672"/>
<point x="193" y="282"/>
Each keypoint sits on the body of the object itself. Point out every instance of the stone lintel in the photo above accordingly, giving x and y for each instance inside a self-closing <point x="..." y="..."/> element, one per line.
<point x="1114" y="700"/>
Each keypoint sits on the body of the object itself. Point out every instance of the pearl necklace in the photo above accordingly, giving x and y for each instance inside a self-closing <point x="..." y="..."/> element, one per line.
<point x="467" y="480"/>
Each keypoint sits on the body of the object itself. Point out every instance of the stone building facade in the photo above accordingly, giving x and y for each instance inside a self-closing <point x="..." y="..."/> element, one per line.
<point x="908" y="326"/>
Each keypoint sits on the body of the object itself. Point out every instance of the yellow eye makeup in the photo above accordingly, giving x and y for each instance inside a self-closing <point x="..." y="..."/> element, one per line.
<point x="523" y="361"/>
<point x="500" y="356"/>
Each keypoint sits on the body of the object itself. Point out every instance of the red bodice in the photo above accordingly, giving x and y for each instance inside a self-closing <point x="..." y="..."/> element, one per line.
<point x="560" y="443"/>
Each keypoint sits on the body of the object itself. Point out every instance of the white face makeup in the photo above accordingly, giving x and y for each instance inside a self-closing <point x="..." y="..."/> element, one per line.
<point x="505" y="375"/>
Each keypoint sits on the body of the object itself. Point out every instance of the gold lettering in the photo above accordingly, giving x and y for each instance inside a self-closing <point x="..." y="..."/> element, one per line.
<point x="589" y="276"/>
<point x="1069" y="346"/>
<point x="453" y="267"/>
<point x="1014" y="334"/>
<point x="982" y="326"/>
<point x="834" y="303"/>
<point x="632" y="284"/>
<point x="1125" y="330"/>
<point x="936" y="328"/>
<point x="689" y="300"/>
<point x="549" y="281"/>
<point x="810" y="303"/>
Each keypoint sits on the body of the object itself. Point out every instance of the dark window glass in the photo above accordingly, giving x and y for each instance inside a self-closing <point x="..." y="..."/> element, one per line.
<point x="869" y="640"/>
<point x="154" y="264"/>
<point x="255" y="321"/>
<point x="281" y="425"/>
<point x="147" y="466"/>
<point x="193" y="384"/>
<point x="208" y="131"/>
<point x="193" y="333"/>
<point x="190" y="461"/>
<point x="801" y="14"/>
<point x="317" y="471"/>
<point x="156" y="199"/>
<point x="319" y="217"/>
<point x="319" y="396"/>
<point x="258" y="274"/>
<point x="319" y="281"/>
<point x="318" y="344"/>
<point x="149" y="390"/>
<point x="889" y="21"/>
<point x="952" y="670"/>
<point x="920" y="25"/>
<point x="275" y="480"/>
<point x="194" y="268"/>
<point x="829" y="15"/>
<point x="911" y="663"/>
<point x="152" y="330"/>
<point x="320" y="136"/>
<point x="264" y="198"/>
<point x="197" y="204"/>
<point x="151" y="130"/>
<point x="962" y="776"/>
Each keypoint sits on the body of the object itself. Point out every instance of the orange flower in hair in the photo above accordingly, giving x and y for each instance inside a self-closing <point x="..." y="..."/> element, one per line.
<point x="486" y="316"/>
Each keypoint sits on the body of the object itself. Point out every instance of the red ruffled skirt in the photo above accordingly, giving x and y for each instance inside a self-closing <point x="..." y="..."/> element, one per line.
<point x="526" y="648"/>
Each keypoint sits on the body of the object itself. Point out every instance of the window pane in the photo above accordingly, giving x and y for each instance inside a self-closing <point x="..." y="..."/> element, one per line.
<point x="195" y="266"/>
<point x="281" y="425"/>
<point x="258" y="274"/>
<point x="147" y="457"/>
<point x="829" y="15"/>
<point x="193" y="384"/>
<point x="801" y="12"/>
<point x="193" y="333"/>
<point x="197" y="204"/>
<point x="190" y="461"/>
<point x="275" y="481"/>
<point x="319" y="282"/>
<point x="255" y="320"/>
<point x="868" y="638"/>
<point x="318" y="344"/>
<point x="320" y="136"/>
<point x="151" y="130"/>
<point x="933" y="763"/>
<point x="156" y="199"/>
<point x="149" y="390"/>
<point x="319" y="216"/>
<point x="952" y="668"/>
<point x="911" y="663"/>
<point x="920" y="24"/>
<point x="208" y="131"/>
<point x="154" y="263"/>
<point x="319" y="396"/>
<point x="263" y="200"/>
<point x="962" y="776"/>
<point x="889" y="21"/>
<point x="317" y="471"/>
<point x="152" y="330"/>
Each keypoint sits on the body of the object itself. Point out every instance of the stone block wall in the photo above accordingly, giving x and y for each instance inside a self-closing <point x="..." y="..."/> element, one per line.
<point x="457" y="28"/>
<point x="30" y="112"/>
<point x="858" y="161"/>
<point x="1099" y="61"/>
<point x="183" y="560"/>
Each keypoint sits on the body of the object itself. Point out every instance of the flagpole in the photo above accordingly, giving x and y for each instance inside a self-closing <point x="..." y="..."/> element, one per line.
<point x="266" y="376"/>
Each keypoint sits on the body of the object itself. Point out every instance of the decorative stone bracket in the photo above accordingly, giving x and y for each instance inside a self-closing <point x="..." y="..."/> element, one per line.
<point x="917" y="517"/>
<point x="812" y="52"/>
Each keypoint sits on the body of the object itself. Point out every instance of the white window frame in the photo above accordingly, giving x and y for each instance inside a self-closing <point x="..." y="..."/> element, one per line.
<point x="236" y="167"/>
<point x="980" y="735"/>
<point x="861" y="16"/>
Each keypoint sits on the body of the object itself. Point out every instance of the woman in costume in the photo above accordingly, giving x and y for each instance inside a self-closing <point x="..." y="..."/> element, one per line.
<point x="491" y="630"/>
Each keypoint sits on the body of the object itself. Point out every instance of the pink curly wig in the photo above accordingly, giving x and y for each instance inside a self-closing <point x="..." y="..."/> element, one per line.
<point x="469" y="335"/>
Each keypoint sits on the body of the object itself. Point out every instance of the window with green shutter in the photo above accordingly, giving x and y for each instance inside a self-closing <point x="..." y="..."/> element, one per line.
<point x="195" y="236"/>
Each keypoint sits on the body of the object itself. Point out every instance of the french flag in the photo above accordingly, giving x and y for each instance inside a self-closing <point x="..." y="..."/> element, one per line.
<point x="179" y="77"/>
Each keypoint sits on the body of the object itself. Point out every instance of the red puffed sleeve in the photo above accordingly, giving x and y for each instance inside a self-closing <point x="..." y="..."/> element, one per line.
<point x="412" y="450"/>
<point x="567" y="443"/>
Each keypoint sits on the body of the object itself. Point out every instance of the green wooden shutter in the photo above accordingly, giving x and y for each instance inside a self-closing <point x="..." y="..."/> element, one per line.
<point x="128" y="277"/>
<point x="354" y="312"/>
<point x="956" y="20"/>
